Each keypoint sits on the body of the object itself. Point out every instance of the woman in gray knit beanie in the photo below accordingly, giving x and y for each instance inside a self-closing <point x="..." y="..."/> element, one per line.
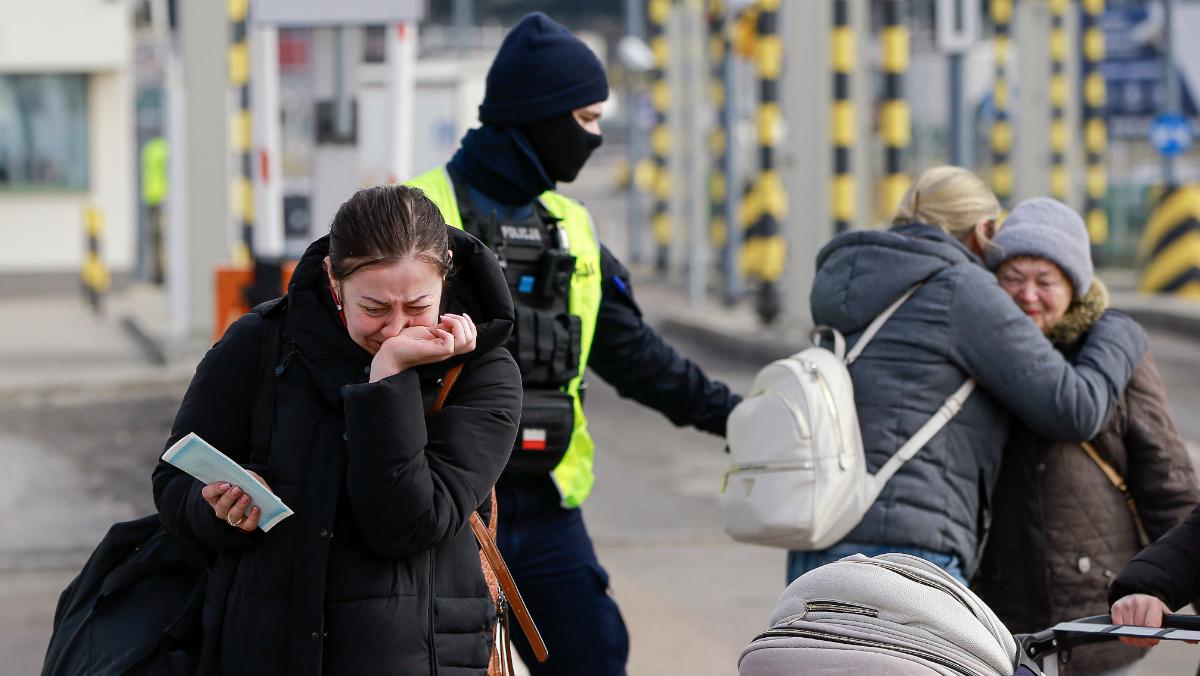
<point x="1043" y="259"/>
<point x="1061" y="530"/>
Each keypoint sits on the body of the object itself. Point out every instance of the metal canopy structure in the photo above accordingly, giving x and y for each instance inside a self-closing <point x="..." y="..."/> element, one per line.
<point x="322" y="13"/>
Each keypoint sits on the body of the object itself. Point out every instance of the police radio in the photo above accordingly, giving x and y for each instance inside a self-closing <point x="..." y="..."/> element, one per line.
<point x="554" y="277"/>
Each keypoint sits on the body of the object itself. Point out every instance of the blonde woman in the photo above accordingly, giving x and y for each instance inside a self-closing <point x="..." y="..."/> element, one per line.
<point x="958" y="324"/>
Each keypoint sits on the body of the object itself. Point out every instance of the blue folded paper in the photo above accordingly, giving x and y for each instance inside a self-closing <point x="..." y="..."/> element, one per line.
<point x="200" y="459"/>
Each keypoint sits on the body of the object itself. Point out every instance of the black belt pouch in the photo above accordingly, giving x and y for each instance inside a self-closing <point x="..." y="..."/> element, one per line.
<point x="547" y="420"/>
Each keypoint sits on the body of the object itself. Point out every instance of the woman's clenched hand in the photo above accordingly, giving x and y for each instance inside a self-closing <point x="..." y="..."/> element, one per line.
<point x="417" y="345"/>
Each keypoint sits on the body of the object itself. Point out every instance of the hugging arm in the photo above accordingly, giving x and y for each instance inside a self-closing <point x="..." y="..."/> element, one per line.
<point x="1005" y="352"/>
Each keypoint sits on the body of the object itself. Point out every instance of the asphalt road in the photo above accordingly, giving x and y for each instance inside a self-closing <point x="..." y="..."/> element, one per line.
<point x="692" y="599"/>
<point x="73" y="464"/>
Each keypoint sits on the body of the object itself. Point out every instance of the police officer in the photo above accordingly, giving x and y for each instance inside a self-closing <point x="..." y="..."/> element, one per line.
<point x="575" y="309"/>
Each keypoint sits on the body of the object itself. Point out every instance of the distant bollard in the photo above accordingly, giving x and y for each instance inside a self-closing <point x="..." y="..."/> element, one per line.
<point x="232" y="287"/>
<point x="230" y="284"/>
<point x="242" y="190"/>
<point x="660" y="138"/>
<point x="718" y="49"/>
<point x="764" y="250"/>
<point x="622" y="176"/>
<point x="644" y="174"/>
<point x="895" y="119"/>
<point x="842" y="122"/>
<point x="1170" y="249"/>
<point x="1059" y="179"/>
<point x="1095" y="129"/>
<point x="94" y="274"/>
<point x="1002" y="137"/>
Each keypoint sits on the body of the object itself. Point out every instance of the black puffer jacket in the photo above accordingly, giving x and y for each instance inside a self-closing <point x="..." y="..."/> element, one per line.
<point x="1168" y="569"/>
<point x="375" y="573"/>
<point x="1061" y="530"/>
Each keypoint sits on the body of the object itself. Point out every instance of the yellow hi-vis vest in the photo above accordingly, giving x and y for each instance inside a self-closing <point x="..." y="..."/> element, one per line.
<point x="573" y="476"/>
<point x="154" y="172"/>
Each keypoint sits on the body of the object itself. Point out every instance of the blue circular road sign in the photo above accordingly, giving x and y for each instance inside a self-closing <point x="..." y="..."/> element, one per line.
<point x="1171" y="134"/>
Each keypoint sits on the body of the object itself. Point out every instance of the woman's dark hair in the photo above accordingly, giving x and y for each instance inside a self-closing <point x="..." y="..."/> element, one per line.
<point x="385" y="224"/>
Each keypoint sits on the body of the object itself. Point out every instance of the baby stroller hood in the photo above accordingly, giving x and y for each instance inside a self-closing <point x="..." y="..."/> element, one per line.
<point x="892" y="613"/>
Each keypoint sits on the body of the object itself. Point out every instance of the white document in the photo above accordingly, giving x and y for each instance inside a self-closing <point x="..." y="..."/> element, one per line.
<point x="200" y="459"/>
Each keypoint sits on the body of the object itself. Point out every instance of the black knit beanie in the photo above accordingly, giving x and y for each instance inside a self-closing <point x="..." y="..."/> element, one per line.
<point x="541" y="70"/>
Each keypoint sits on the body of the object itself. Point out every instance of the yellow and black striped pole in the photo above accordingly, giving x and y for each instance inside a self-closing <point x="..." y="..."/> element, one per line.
<point x="764" y="252"/>
<point x="660" y="137"/>
<point x="841" y="57"/>
<point x="1095" y="128"/>
<point x="1170" y="248"/>
<point x="94" y="274"/>
<point x="242" y="190"/>
<point x="895" y="122"/>
<point x="1002" y="136"/>
<point x="718" y="48"/>
<point x="1058" y="99"/>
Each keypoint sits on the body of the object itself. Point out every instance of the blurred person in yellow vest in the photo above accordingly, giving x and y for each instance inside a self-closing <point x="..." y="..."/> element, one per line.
<point x="154" y="195"/>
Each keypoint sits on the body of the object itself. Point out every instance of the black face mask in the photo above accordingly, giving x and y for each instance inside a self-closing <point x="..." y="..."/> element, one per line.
<point x="562" y="145"/>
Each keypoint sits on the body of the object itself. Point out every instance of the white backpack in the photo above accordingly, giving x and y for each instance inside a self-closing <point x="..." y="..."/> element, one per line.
<point x="798" y="476"/>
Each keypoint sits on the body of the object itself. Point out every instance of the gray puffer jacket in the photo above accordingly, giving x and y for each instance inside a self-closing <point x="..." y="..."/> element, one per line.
<point x="959" y="325"/>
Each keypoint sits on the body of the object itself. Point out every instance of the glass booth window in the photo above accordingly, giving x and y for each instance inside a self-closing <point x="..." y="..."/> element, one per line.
<point x="43" y="132"/>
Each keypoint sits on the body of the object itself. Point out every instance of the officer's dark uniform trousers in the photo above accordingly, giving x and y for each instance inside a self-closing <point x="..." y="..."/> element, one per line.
<point x="547" y="546"/>
<point x="552" y="560"/>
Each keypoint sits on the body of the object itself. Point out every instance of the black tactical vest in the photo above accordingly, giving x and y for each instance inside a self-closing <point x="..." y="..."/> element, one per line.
<point x="546" y="339"/>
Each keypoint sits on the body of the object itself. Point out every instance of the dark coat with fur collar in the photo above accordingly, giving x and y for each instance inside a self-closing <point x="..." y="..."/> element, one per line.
<point x="376" y="572"/>
<point x="1061" y="531"/>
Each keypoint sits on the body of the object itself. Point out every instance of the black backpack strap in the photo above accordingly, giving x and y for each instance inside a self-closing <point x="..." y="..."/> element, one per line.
<point x="262" y="410"/>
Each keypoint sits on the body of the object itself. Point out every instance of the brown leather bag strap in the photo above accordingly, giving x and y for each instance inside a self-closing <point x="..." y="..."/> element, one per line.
<point x="490" y="552"/>
<point x="448" y="381"/>
<point x="494" y="519"/>
<point x="489" y="575"/>
<point x="509" y="586"/>
<point x="1118" y="482"/>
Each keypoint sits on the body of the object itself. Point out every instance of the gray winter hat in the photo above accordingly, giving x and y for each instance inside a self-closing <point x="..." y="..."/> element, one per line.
<point x="1046" y="228"/>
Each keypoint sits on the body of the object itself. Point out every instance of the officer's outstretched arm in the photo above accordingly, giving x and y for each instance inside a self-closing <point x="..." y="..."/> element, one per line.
<point x="642" y="366"/>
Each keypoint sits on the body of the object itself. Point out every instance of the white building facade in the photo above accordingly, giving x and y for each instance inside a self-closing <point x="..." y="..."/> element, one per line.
<point x="66" y="134"/>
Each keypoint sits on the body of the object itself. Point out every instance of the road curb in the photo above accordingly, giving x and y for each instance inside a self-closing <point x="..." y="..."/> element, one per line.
<point x="44" y="560"/>
<point x="753" y="350"/>
<point x="118" y="387"/>
<point x="740" y="338"/>
<point x="1162" y="319"/>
